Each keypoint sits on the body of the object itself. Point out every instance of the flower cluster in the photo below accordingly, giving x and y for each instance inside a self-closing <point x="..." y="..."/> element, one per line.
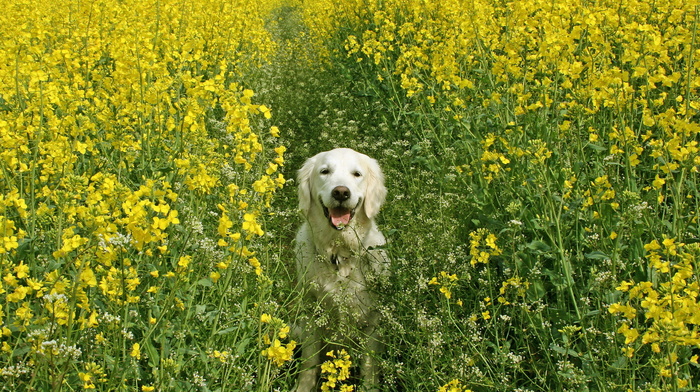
<point x="446" y="282"/>
<point x="277" y="352"/>
<point x="336" y="370"/>
<point x="482" y="246"/>
<point x="670" y="309"/>
<point x="513" y="288"/>
<point x="453" y="386"/>
<point x="494" y="160"/>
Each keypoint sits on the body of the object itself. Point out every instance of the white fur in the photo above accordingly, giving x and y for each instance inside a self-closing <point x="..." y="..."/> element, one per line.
<point x="333" y="264"/>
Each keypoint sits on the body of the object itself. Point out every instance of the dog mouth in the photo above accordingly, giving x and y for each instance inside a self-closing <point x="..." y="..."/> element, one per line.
<point x="339" y="217"/>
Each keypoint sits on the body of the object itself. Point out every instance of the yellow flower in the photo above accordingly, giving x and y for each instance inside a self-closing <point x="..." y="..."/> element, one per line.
<point x="624" y="286"/>
<point x="453" y="386"/>
<point x="251" y="225"/>
<point x="447" y="281"/>
<point x="628" y="352"/>
<point x="255" y="263"/>
<point x="628" y="311"/>
<point x="482" y="246"/>
<point x="184" y="261"/>
<point x="283" y="332"/>
<point x="135" y="351"/>
<point x="224" y="225"/>
<point x="652" y="246"/>
<point x="21" y="270"/>
<point x="630" y="334"/>
<point x="336" y="370"/>
<point x="278" y="353"/>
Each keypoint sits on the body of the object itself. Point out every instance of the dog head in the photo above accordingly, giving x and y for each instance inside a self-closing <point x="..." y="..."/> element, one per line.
<point x="341" y="183"/>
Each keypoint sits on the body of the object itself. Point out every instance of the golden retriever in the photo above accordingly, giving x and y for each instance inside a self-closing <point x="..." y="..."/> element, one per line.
<point x="338" y="252"/>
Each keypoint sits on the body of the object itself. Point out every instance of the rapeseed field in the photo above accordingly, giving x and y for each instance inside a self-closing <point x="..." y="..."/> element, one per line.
<point x="541" y="158"/>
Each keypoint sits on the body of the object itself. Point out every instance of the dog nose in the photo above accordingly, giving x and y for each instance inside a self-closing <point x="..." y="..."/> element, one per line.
<point x="340" y="193"/>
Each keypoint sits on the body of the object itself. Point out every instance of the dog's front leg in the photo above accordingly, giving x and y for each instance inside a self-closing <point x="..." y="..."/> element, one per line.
<point x="310" y="352"/>
<point x="369" y="371"/>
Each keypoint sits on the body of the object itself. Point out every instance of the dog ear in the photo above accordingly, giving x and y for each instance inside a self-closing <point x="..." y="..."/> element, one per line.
<point x="376" y="191"/>
<point x="304" y="189"/>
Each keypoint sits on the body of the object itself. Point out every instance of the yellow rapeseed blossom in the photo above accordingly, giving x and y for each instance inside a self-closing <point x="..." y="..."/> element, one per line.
<point x="446" y="282"/>
<point x="512" y="288"/>
<point x="335" y="371"/>
<point x="135" y="351"/>
<point x="278" y="353"/>
<point x="482" y="246"/>
<point x="670" y="308"/>
<point x="453" y="386"/>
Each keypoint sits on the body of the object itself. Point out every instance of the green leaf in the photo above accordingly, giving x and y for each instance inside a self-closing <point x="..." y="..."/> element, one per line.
<point x="563" y="350"/>
<point x="206" y="282"/>
<point x="596" y="147"/>
<point x="597" y="255"/>
<point x="538" y="246"/>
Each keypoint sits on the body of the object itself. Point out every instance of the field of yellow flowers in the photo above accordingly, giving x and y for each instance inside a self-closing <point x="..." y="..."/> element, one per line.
<point x="136" y="171"/>
<point x="542" y="159"/>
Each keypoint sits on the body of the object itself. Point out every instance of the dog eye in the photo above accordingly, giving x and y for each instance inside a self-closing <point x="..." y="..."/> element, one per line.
<point x="325" y="171"/>
<point x="357" y="174"/>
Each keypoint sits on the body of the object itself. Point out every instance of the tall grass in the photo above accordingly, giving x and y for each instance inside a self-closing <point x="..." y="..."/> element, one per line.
<point x="542" y="161"/>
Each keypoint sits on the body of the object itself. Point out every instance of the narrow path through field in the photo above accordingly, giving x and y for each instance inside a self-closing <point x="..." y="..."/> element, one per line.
<point x="315" y="108"/>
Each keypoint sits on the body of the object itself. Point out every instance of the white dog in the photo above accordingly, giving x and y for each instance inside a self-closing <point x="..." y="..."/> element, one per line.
<point x="338" y="252"/>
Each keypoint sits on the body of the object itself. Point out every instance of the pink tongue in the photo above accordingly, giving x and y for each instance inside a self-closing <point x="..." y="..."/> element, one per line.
<point x="340" y="216"/>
